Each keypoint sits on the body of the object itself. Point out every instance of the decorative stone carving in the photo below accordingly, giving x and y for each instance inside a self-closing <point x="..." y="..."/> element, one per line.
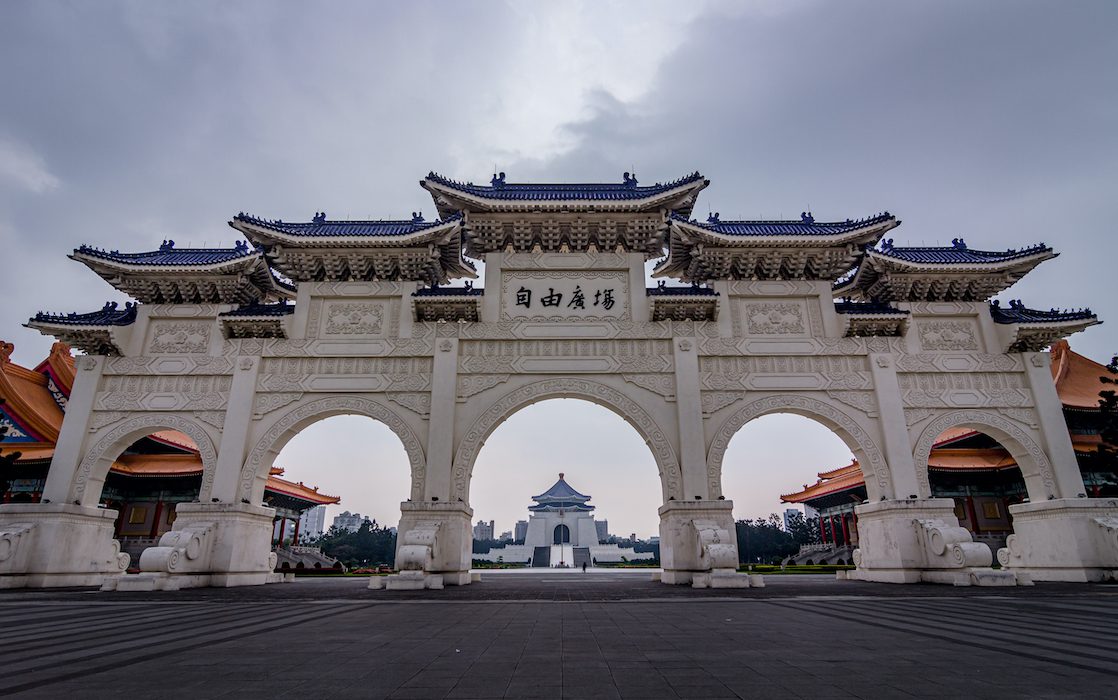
<point x="717" y="400"/>
<point x="354" y="318"/>
<point x="180" y="337"/>
<point x="773" y="318"/>
<point x="973" y="389"/>
<point x="445" y="345"/>
<point x="308" y="374"/>
<point x="1031" y="459"/>
<point x="662" y="384"/>
<point x="912" y="416"/>
<point x="947" y="335"/>
<point x="415" y="402"/>
<point x="164" y="393"/>
<point x="114" y="442"/>
<point x="950" y="546"/>
<point x="864" y="401"/>
<point x="1022" y="415"/>
<point x="961" y="362"/>
<point x="522" y="356"/>
<point x="477" y="383"/>
<point x="627" y="408"/>
<point x="860" y="442"/>
<point x="259" y="460"/>
<point x="102" y="418"/>
<point x="214" y="418"/>
<point x="180" y="551"/>
<point x="266" y="403"/>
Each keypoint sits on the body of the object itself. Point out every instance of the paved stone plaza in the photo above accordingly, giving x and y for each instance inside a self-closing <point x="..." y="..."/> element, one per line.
<point x="552" y="635"/>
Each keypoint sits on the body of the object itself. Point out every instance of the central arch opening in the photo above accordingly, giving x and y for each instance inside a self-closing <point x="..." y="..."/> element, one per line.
<point x="564" y="482"/>
<point x="794" y="483"/>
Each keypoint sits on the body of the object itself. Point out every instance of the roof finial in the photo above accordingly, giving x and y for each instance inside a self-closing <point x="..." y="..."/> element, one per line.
<point x="959" y="243"/>
<point x="560" y="476"/>
<point x="417" y="217"/>
<point x="630" y="180"/>
<point x="6" y="350"/>
<point x="806" y="217"/>
<point x="712" y="218"/>
<point x="319" y="217"/>
<point x="167" y="245"/>
<point x="498" y="180"/>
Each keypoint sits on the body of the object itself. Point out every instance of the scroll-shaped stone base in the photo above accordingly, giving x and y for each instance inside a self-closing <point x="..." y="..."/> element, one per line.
<point x="698" y="546"/>
<point x="45" y="545"/>
<point x="920" y="540"/>
<point x="1068" y="539"/>
<point x="434" y="547"/>
<point x="212" y="544"/>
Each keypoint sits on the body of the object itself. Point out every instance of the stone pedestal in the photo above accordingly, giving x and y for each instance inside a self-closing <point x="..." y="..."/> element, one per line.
<point x="1067" y="539"/>
<point x="698" y="545"/>
<point x="57" y="544"/>
<point x="920" y="540"/>
<point x="437" y="539"/>
<point x="212" y="544"/>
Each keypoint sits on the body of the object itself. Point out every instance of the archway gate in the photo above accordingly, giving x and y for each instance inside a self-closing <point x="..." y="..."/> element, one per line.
<point x="242" y="347"/>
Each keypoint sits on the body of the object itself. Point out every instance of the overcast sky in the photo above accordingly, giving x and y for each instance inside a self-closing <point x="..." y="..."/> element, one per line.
<point x="122" y="124"/>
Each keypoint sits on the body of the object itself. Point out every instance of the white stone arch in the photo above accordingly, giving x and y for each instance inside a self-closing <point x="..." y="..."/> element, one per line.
<point x="1031" y="459"/>
<point x="879" y="483"/>
<point x="110" y="444"/>
<point x="628" y="408"/>
<point x="254" y="472"/>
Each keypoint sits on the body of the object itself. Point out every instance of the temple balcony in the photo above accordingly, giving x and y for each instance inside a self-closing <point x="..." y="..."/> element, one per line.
<point x="693" y="303"/>
<point x="447" y="304"/>
<point x="256" y="321"/>
<point x="1029" y="330"/>
<point x="867" y="318"/>
<point x="103" y="332"/>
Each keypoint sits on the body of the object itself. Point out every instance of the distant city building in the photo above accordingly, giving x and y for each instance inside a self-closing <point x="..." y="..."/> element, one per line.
<point x="349" y="521"/>
<point x="483" y="530"/>
<point x="506" y="536"/>
<point x="790" y="513"/>
<point x="560" y="531"/>
<point x="520" y="531"/>
<point x="603" y="529"/>
<point x="312" y="523"/>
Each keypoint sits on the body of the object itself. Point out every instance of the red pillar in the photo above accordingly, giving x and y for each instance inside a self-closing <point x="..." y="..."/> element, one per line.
<point x="295" y="537"/>
<point x="822" y="532"/>
<point x="845" y="531"/>
<point x="973" y="515"/>
<point x="155" y="520"/>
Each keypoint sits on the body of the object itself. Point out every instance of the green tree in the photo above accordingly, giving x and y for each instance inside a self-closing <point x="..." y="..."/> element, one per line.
<point x="370" y="545"/>
<point x="764" y="540"/>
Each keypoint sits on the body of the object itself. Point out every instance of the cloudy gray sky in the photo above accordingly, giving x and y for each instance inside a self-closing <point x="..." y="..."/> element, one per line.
<point x="125" y="123"/>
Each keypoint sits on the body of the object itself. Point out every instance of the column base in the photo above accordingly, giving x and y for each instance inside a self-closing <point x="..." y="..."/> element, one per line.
<point x="219" y="545"/>
<point x="49" y="545"/>
<point x="436" y="540"/>
<point x="920" y="541"/>
<point x="698" y="545"/>
<point x="1066" y="539"/>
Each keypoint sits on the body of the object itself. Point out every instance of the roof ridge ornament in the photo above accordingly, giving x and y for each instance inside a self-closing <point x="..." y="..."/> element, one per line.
<point x="417" y="217"/>
<point x="806" y="217"/>
<point x="167" y="245"/>
<point x="319" y="218"/>
<point x="713" y="218"/>
<point x="959" y="244"/>
<point x="629" y="181"/>
<point x="498" y="180"/>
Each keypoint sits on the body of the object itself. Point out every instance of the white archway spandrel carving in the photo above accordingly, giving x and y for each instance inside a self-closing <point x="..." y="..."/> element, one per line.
<point x="1030" y="457"/>
<point x="595" y="392"/>
<point x="109" y="445"/>
<point x="260" y="458"/>
<point x="876" y="469"/>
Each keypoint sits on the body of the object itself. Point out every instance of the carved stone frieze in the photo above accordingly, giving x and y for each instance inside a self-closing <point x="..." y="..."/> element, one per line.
<point x="962" y="390"/>
<point x="260" y="458"/>
<point x="856" y="437"/>
<point x="111" y="444"/>
<point x="948" y="335"/>
<point x="100" y="419"/>
<point x="1008" y="432"/>
<point x="1026" y="416"/>
<point x="774" y="318"/>
<point x="197" y="364"/>
<point x="214" y="418"/>
<point x="783" y="288"/>
<point x="912" y="416"/>
<point x="305" y="374"/>
<point x="354" y="318"/>
<point x="179" y="337"/>
<point x="662" y="384"/>
<point x="163" y="393"/>
<point x="762" y="373"/>
<point x="476" y="383"/>
<point x="563" y="261"/>
<point x="630" y="410"/>
<point x="958" y="362"/>
<point x="512" y="356"/>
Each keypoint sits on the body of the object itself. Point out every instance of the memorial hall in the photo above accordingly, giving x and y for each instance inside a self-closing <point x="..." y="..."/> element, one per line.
<point x="229" y="352"/>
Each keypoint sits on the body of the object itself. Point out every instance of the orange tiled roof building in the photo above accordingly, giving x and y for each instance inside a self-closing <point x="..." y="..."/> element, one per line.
<point x="973" y="468"/>
<point x="144" y="484"/>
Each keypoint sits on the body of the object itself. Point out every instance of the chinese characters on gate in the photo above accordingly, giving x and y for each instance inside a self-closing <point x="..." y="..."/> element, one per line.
<point x="603" y="298"/>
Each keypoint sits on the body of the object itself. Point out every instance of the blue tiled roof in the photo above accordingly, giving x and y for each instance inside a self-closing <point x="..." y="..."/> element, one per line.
<point x="168" y="254"/>
<point x="320" y="227"/>
<point x="1017" y="313"/>
<point x="468" y="291"/>
<point x="556" y="505"/>
<point x="109" y="315"/>
<point x="846" y="306"/>
<point x="560" y="491"/>
<point x="628" y="189"/>
<point x="806" y="226"/>
<point x="693" y="291"/>
<point x="280" y="309"/>
<point x="958" y="253"/>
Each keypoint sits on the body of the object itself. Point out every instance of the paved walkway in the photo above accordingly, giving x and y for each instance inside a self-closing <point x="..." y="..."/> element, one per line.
<point x="601" y="635"/>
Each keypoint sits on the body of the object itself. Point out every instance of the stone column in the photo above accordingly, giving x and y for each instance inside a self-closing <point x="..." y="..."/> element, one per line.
<point x="439" y="482"/>
<point x="896" y="443"/>
<point x="689" y="408"/>
<point x="56" y="542"/>
<point x="1053" y="428"/>
<point x="234" y="445"/>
